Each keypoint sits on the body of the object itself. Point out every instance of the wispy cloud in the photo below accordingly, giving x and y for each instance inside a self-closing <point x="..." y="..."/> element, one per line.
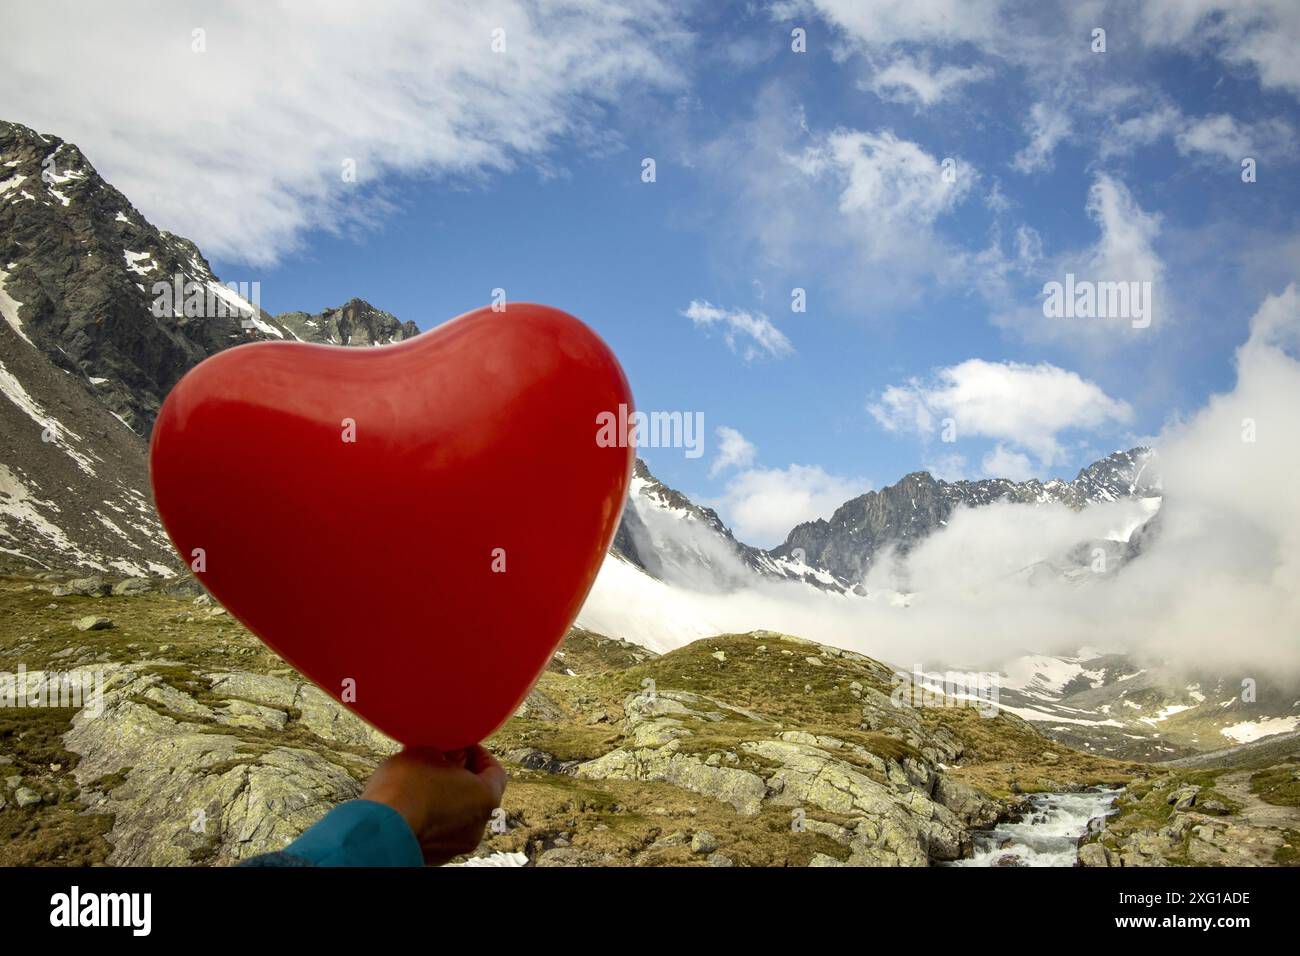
<point x="241" y="145"/>
<point x="734" y="451"/>
<point x="885" y="181"/>
<point x="1046" y="126"/>
<point x="1258" y="35"/>
<point x="915" y="80"/>
<point x="1125" y="251"/>
<point x="749" y="334"/>
<point x="1214" y="137"/>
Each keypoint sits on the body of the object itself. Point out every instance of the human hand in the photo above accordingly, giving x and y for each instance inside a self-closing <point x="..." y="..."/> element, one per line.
<point x="446" y="798"/>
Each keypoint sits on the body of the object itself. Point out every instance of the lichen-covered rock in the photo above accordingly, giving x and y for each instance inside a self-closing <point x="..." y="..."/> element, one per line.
<point x="83" y="587"/>
<point x="972" y="806"/>
<point x="530" y="758"/>
<point x="537" y="706"/>
<point x="892" y="827"/>
<point x="571" y="856"/>
<point x="1095" y="854"/>
<point x="184" y="786"/>
<point x="703" y="842"/>
<point x="318" y="712"/>
<point x="242" y="713"/>
<point x="740" y="788"/>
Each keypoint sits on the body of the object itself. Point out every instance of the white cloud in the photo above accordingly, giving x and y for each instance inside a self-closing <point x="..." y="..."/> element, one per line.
<point x="914" y="80"/>
<point x="1025" y="406"/>
<point x="1223" y="137"/>
<point x="950" y="467"/>
<point x="1029" y="245"/>
<point x="1002" y="462"/>
<point x="734" y="451"/>
<point x="1047" y="125"/>
<point x="1216" y="136"/>
<point x="886" y="180"/>
<point x="866" y="212"/>
<point x="1276" y="324"/>
<point x="1124" y="251"/>
<point x="1141" y="130"/>
<point x="763" y="504"/>
<point x="1260" y="35"/>
<point x="241" y="147"/>
<point x="750" y="334"/>
<point x="1126" y="248"/>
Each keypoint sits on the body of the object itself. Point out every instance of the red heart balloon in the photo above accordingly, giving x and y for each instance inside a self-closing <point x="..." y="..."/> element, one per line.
<point x="418" y="523"/>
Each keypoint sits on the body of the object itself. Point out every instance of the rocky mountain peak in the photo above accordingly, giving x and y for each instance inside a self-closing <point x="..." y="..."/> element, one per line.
<point x="355" y="323"/>
<point x="1121" y="474"/>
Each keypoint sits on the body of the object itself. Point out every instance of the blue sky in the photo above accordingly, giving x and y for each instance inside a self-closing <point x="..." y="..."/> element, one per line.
<point x="774" y="169"/>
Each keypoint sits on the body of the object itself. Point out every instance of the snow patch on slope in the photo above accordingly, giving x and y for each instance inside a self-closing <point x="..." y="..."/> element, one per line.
<point x="1247" y="731"/>
<point x="13" y="390"/>
<point x="1041" y="675"/>
<point x="9" y="306"/>
<point x="141" y="263"/>
<point x="19" y="503"/>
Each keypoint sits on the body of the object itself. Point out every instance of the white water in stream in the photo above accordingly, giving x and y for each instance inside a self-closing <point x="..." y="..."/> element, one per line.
<point x="1047" y="835"/>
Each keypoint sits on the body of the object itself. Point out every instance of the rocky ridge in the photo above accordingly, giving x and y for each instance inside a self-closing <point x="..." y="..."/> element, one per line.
<point x="902" y="514"/>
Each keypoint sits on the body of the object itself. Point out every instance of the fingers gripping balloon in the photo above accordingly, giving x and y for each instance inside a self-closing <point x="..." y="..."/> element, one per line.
<point x="412" y="527"/>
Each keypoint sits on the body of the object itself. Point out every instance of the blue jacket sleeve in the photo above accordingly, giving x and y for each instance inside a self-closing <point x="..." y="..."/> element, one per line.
<point x="356" y="833"/>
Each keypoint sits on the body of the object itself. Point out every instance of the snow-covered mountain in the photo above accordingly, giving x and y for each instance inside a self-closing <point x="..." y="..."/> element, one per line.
<point x="1109" y="704"/>
<point x="123" y="307"/>
<point x="74" y="488"/>
<point x="672" y="539"/>
<point x="902" y="514"/>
